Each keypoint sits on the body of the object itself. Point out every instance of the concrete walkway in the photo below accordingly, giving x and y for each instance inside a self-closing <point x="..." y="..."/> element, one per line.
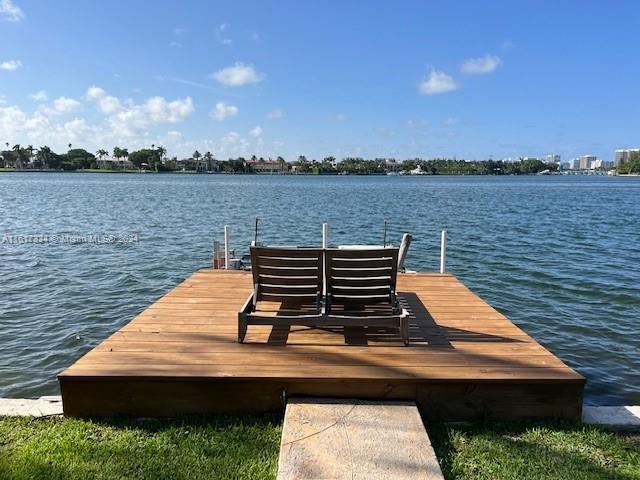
<point x="41" y="407"/>
<point x="352" y="439"/>
<point x="621" y="417"/>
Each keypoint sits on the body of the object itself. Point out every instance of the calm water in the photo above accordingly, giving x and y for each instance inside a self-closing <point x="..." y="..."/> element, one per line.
<point x="559" y="255"/>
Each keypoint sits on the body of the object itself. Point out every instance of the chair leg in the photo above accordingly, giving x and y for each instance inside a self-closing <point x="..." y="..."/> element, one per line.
<point x="404" y="330"/>
<point x="242" y="328"/>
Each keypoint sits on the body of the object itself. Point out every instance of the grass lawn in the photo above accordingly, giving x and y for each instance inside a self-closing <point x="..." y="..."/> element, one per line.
<point x="192" y="448"/>
<point x="524" y="451"/>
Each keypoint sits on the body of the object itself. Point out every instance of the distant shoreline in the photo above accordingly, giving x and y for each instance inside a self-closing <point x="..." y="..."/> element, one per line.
<point x="190" y="172"/>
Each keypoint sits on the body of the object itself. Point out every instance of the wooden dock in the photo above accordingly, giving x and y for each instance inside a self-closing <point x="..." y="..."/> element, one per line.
<point x="180" y="356"/>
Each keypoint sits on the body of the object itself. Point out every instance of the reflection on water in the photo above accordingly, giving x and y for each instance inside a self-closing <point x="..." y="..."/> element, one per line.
<point x="558" y="255"/>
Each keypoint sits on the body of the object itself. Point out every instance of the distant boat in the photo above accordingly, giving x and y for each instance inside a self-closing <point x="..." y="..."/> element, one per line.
<point x="545" y="172"/>
<point x="418" y="171"/>
<point x="392" y="173"/>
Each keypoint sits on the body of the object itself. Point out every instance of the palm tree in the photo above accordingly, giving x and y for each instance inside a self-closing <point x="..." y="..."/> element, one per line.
<point x="101" y="153"/>
<point x="196" y="156"/>
<point x="70" y="146"/>
<point x="30" y="149"/>
<point x="125" y="154"/>
<point x="208" y="158"/>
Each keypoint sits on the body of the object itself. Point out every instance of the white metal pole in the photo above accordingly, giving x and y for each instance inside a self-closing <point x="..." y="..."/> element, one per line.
<point x="443" y="250"/>
<point x="325" y="235"/>
<point x="226" y="247"/>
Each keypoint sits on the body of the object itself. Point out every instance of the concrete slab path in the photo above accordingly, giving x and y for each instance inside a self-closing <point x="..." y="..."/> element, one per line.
<point x="41" y="407"/>
<point x="353" y="439"/>
<point x="621" y="417"/>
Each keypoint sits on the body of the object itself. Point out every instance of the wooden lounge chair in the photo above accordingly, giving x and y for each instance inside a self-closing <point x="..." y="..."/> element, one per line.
<point x="292" y="276"/>
<point x="361" y="289"/>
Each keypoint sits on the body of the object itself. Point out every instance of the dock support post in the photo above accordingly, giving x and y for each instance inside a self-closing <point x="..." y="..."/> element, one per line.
<point x="443" y="250"/>
<point x="226" y="247"/>
<point x="325" y="235"/>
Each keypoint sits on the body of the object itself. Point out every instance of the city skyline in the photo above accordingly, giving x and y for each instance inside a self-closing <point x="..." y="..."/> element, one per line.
<point x="272" y="79"/>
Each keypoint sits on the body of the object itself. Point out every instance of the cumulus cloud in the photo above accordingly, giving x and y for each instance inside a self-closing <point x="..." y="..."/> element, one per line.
<point x="437" y="82"/>
<point x="481" y="65"/>
<point x="127" y="118"/>
<point x="10" y="65"/>
<point x="223" y="110"/>
<point x="256" y="132"/>
<point x="107" y="104"/>
<point x="237" y="75"/>
<point x="39" y="96"/>
<point x="10" y="11"/>
<point x="63" y="105"/>
<point x="275" y="113"/>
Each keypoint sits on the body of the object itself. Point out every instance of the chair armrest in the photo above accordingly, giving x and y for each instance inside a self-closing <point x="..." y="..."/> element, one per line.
<point x="249" y="304"/>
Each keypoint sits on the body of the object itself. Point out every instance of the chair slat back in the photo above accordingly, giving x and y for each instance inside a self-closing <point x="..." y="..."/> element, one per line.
<point x="292" y="275"/>
<point x="361" y="276"/>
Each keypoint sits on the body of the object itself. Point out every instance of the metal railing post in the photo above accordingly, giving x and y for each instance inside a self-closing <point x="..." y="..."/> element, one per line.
<point x="443" y="251"/>
<point x="226" y="247"/>
<point x="325" y="235"/>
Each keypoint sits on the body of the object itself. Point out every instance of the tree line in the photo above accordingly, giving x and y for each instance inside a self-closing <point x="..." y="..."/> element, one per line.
<point x="155" y="159"/>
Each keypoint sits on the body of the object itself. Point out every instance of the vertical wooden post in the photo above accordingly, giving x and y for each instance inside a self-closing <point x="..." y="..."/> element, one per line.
<point x="216" y="254"/>
<point x="443" y="251"/>
<point x="226" y="247"/>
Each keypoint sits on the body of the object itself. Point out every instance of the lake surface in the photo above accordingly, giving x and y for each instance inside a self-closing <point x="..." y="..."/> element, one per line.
<point x="560" y="256"/>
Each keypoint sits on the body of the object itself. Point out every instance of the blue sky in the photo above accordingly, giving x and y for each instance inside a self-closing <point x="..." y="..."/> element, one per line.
<point x="401" y="79"/>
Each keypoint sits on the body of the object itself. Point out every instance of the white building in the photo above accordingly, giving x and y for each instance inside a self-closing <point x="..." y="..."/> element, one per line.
<point x="553" y="158"/>
<point x="623" y="155"/>
<point x="586" y="161"/>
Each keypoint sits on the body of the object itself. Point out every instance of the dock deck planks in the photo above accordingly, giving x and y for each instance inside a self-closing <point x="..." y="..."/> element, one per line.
<point x="180" y="355"/>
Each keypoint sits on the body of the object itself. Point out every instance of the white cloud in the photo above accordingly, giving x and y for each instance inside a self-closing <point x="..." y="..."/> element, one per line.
<point x="237" y="75"/>
<point x="175" y="44"/>
<point x="127" y="118"/>
<point x="221" y="36"/>
<point x="256" y="132"/>
<point x="131" y="123"/>
<point x="275" y="113"/>
<point x="481" y="65"/>
<point x="437" y="82"/>
<point x="10" y="65"/>
<point x="161" y="111"/>
<point x="339" y="117"/>
<point x="63" y="105"/>
<point x="106" y="103"/>
<point x="177" y="31"/>
<point x="416" y="124"/>
<point x="10" y="11"/>
<point x="39" y="96"/>
<point x="450" y="121"/>
<point x="223" y="110"/>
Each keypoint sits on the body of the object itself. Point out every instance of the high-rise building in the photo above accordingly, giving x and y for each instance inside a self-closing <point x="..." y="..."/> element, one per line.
<point x="586" y="161"/>
<point x="622" y="155"/>
<point x="575" y="164"/>
<point x="553" y="158"/>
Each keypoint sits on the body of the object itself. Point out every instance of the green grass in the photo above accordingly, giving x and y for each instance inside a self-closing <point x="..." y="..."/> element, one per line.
<point x="541" y="452"/>
<point x="191" y="448"/>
